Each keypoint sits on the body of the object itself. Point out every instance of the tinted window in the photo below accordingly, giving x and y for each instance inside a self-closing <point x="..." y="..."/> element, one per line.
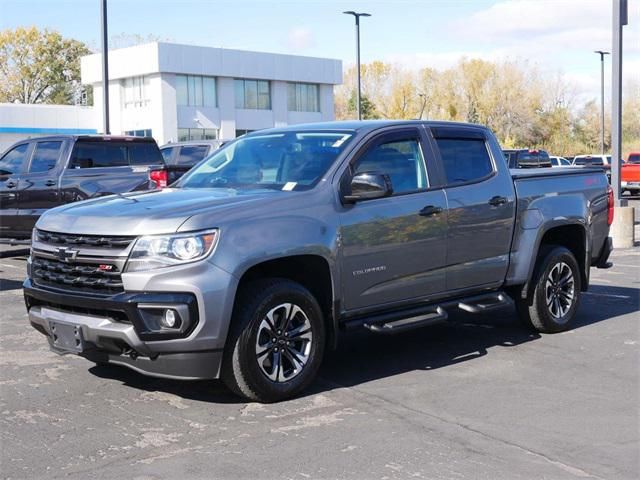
<point x="192" y="154"/>
<point x="401" y="160"/>
<point x="144" y="154"/>
<point x="167" y="153"/>
<point x="588" y="161"/>
<point x="45" y="156"/>
<point x="285" y="161"/>
<point x="12" y="160"/>
<point x="634" y="158"/>
<point x="99" y="154"/>
<point x="555" y="161"/>
<point x="464" y="159"/>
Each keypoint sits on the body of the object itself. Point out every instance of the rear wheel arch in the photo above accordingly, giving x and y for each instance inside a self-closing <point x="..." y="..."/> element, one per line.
<point x="571" y="236"/>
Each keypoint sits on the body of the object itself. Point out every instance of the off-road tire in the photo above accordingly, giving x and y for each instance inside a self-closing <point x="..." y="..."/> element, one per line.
<point x="534" y="310"/>
<point x="240" y="369"/>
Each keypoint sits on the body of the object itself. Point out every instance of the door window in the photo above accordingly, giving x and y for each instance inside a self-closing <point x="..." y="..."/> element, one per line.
<point x="99" y="154"/>
<point x="45" y="156"/>
<point x="11" y="162"/>
<point x="402" y="160"/>
<point x="464" y="159"/>
<point x="192" y="154"/>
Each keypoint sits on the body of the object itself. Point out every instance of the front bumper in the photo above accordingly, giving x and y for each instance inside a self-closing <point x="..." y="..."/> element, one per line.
<point x="113" y="329"/>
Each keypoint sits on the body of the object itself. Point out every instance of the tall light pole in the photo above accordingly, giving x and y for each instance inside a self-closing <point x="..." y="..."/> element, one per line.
<point x="602" y="54"/>
<point x="620" y="18"/>
<point x="105" y="67"/>
<point x="357" y="17"/>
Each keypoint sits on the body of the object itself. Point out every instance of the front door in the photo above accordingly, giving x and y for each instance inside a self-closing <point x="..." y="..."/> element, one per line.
<point x="394" y="248"/>
<point x="12" y="165"/>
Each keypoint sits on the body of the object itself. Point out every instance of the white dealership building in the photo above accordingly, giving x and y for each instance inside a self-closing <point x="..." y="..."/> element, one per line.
<point x="179" y="92"/>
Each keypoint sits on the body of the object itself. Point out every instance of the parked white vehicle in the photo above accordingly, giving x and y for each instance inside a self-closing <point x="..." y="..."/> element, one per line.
<point x="559" y="161"/>
<point x="592" y="160"/>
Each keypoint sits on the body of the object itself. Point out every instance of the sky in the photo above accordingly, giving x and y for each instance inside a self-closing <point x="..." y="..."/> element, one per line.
<point x="558" y="36"/>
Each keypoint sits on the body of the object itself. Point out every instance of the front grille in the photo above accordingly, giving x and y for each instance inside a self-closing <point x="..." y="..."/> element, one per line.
<point x="96" y="241"/>
<point x="102" y="279"/>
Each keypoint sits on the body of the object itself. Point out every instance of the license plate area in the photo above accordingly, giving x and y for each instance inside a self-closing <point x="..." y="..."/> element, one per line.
<point x="66" y="337"/>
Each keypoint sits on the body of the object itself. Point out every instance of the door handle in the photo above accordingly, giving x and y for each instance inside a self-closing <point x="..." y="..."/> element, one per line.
<point x="430" y="211"/>
<point x="11" y="184"/>
<point x="497" y="200"/>
<point x="50" y="183"/>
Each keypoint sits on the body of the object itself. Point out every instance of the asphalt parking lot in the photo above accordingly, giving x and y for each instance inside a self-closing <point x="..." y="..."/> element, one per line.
<point x="477" y="398"/>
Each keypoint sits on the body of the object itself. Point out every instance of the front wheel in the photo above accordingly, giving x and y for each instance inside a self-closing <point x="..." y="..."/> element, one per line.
<point x="276" y="341"/>
<point x="552" y="305"/>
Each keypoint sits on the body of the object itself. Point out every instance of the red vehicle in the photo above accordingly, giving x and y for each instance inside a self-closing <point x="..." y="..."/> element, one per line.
<point x="630" y="174"/>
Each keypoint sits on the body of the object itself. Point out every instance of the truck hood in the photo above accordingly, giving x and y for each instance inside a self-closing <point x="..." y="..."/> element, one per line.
<point x="145" y="213"/>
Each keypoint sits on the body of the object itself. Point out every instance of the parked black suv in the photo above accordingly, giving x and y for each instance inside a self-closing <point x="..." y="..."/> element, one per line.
<point x="526" y="158"/>
<point x="41" y="173"/>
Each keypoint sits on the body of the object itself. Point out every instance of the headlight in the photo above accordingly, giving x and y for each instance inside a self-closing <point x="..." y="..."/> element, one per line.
<point x="158" y="251"/>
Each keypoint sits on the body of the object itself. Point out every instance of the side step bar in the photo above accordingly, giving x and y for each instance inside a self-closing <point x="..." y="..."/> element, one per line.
<point x="428" y="314"/>
<point x="484" y="303"/>
<point x="436" y="315"/>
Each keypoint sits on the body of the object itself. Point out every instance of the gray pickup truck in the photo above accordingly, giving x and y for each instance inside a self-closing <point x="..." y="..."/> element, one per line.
<point x="259" y="258"/>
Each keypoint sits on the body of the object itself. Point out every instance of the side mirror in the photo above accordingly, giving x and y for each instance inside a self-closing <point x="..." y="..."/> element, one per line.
<point x="367" y="186"/>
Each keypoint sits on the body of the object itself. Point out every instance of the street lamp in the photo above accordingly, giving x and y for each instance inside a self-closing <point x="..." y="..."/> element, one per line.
<point x="602" y="54"/>
<point x="357" y="18"/>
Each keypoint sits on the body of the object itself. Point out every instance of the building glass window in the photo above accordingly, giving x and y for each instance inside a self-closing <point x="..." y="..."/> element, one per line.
<point x="185" y="134"/>
<point x="139" y="133"/>
<point x="303" y="97"/>
<point x="195" y="90"/>
<point x="253" y="94"/>
<point x="136" y="91"/>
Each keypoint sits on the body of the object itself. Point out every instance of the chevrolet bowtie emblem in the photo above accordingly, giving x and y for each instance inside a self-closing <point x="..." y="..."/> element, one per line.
<point x="66" y="254"/>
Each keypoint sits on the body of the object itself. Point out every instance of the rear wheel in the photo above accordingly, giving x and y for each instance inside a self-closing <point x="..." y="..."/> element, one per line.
<point x="552" y="304"/>
<point x="276" y="342"/>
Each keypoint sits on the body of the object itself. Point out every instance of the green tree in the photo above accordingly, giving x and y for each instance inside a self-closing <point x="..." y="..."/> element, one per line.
<point x="39" y="66"/>
<point x="368" y="108"/>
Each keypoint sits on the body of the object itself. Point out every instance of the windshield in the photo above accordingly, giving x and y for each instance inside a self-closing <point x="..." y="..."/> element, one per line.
<point x="282" y="161"/>
<point x="634" y="158"/>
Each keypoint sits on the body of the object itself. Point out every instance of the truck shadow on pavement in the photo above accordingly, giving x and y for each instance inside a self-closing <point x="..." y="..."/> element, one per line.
<point x="363" y="357"/>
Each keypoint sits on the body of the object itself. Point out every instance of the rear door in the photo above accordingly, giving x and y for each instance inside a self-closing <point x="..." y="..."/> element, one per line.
<point x="394" y="248"/>
<point x="481" y="206"/>
<point x="39" y="186"/>
<point x="12" y="165"/>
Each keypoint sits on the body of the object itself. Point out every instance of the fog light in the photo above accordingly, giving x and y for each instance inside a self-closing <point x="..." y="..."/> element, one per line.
<point x="170" y="318"/>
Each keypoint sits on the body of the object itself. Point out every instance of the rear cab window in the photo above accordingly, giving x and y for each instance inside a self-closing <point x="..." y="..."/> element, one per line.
<point x="108" y="154"/>
<point x="144" y="153"/>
